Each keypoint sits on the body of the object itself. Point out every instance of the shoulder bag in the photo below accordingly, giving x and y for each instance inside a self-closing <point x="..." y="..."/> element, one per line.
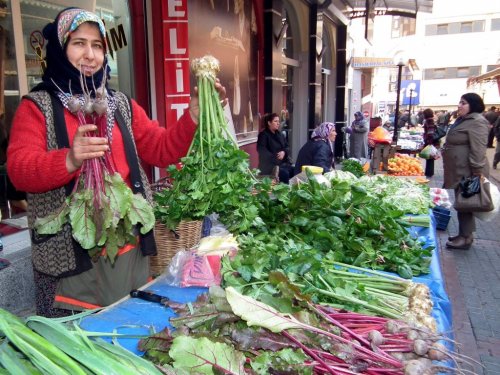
<point x="473" y="195"/>
<point x="438" y="133"/>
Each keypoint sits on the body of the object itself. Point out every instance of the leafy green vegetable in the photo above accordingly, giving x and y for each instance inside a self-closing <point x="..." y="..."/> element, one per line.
<point x="354" y="167"/>
<point x="110" y="225"/>
<point x="215" y="176"/>
<point x="202" y="356"/>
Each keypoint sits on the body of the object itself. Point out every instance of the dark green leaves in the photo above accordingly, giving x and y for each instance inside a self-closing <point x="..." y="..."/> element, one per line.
<point x="110" y="225"/>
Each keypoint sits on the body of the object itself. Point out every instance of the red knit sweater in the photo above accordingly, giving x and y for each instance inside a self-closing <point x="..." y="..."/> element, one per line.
<point x="34" y="169"/>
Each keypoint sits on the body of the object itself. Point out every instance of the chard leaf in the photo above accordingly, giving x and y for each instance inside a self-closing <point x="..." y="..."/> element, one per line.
<point x="283" y="360"/>
<point x="259" y="314"/>
<point x="80" y="216"/>
<point x="112" y="246"/>
<point x="120" y="195"/>
<point x="202" y="356"/>
<point x="141" y="212"/>
<point x="52" y="223"/>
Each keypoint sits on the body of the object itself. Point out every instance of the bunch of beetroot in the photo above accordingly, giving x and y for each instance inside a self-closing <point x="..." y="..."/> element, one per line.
<point x="102" y="209"/>
<point x="228" y="333"/>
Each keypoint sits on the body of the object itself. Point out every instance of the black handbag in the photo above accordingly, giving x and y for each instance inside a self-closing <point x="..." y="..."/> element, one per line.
<point x="438" y="134"/>
<point x="473" y="195"/>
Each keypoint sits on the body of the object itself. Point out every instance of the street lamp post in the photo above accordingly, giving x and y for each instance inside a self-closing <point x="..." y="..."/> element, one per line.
<point x="398" y="89"/>
<point x="409" y="109"/>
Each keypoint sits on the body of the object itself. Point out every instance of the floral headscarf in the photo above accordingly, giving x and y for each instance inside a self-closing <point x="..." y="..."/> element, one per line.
<point x="60" y="75"/>
<point x="70" y="19"/>
<point x="323" y="130"/>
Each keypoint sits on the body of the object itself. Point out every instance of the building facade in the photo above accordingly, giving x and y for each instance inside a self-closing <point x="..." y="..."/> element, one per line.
<point x="443" y="51"/>
<point x="283" y="56"/>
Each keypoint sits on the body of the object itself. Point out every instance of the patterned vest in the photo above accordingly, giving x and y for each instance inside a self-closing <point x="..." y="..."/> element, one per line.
<point x="60" y="255"/>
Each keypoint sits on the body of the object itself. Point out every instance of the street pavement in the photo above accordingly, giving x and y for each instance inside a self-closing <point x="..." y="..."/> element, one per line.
<point x="472" y="281"/>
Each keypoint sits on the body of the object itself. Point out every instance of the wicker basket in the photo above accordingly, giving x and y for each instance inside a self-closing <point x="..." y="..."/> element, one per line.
<point x="187" y="234"/>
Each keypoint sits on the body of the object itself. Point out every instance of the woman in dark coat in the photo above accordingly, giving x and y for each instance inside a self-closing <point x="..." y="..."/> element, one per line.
<point x="273" y="150"/>
<point x="318" y="150"/>
<point x="429" y="131"/>
<point x="464" y="155"/>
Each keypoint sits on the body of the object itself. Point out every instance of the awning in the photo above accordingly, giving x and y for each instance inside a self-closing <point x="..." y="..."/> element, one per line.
<point x="404" y="8"/>
<point x="492" y="75"/>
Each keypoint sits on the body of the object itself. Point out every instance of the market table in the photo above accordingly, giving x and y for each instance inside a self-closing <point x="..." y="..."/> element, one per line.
<point x="137" y="317"/>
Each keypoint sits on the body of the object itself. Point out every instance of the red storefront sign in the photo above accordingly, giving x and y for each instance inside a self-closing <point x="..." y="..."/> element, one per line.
<point x="176" y="58"/>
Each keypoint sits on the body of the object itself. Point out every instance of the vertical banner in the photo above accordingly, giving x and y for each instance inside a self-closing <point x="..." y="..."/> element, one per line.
<point x="410" y="89"/>
<point x="176" y="58"/>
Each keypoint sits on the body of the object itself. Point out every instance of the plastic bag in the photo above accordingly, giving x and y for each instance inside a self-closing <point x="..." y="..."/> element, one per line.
<point x="440" y="197"/>
<point x="470" y="186"/>
<point x="495" y="197"/>
<point x="190" y="269"/>
<point x="380" y="135"/>
<point x="429" y="152"/>
<point x="302" y="177"/>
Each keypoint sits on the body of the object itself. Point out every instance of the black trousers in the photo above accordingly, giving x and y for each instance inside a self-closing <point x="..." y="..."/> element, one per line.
<point x="429" y="167"/>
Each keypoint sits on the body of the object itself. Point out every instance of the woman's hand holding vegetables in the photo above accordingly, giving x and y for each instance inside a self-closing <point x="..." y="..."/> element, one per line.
<point x="194" y="106"/>
<point x="85" y="147"/>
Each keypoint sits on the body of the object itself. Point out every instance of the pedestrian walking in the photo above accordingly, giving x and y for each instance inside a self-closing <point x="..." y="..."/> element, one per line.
<point x="491" y="115"/>
<point x="429" y="139"/>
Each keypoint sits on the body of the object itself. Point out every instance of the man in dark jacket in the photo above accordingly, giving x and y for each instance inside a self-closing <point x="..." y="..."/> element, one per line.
<point x="491" y="116"/>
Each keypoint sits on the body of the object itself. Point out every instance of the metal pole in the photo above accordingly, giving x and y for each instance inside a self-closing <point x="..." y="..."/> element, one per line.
<point x="409" y="109"/>
<point x="396" y="115"/>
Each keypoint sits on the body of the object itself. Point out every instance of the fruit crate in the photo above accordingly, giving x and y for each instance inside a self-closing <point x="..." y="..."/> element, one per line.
<point x="442" y="216"/>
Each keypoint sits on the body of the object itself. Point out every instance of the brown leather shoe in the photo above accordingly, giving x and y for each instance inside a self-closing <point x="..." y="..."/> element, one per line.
<point x="461" y="243"/>
<point x="453" y="238"/>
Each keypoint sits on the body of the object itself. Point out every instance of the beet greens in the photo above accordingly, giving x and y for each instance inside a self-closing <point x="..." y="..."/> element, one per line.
<point x="102" y="209"/>
<point x="226" y="332"/>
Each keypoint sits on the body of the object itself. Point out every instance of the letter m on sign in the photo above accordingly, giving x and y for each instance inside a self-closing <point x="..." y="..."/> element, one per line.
<point x="118" y="37"/>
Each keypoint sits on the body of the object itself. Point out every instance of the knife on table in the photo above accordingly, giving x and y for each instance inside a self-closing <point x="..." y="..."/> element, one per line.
<point x="150" y="296"/>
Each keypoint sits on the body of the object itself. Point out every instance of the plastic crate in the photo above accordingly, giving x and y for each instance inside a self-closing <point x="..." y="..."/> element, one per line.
<point x="442" y="216"/>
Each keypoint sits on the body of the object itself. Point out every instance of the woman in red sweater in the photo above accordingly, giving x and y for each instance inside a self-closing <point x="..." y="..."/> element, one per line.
<point x="39" y="162"/>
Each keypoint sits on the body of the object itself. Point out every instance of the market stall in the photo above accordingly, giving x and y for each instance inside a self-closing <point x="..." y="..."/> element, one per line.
<point x="317" y="265"/>
<point x="136" y="316"/>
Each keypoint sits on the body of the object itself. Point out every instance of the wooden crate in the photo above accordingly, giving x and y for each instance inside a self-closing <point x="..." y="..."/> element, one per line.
<point x="381" y="153"/>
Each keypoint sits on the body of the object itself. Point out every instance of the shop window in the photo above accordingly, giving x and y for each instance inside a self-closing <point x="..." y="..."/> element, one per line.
<point x="466" y="27"/>
<point x="438" y="73"/>
<point x="35" y="15"/>
<point x="442" y="29"/>
<point x="228" y="31"/>
<point x="495" y="24"/>
<point x="402" y="26"/>
<point x="9" y="82"/>
<point x="463" y="72"/>
<point x="22" y="54"/>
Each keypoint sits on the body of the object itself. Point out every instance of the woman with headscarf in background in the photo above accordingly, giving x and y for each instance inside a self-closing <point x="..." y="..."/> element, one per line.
<point x="50" y="141"/>
<point x="464" y="155"/>
<point x="358" y="138"/>
<point x="318" y="151"/>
